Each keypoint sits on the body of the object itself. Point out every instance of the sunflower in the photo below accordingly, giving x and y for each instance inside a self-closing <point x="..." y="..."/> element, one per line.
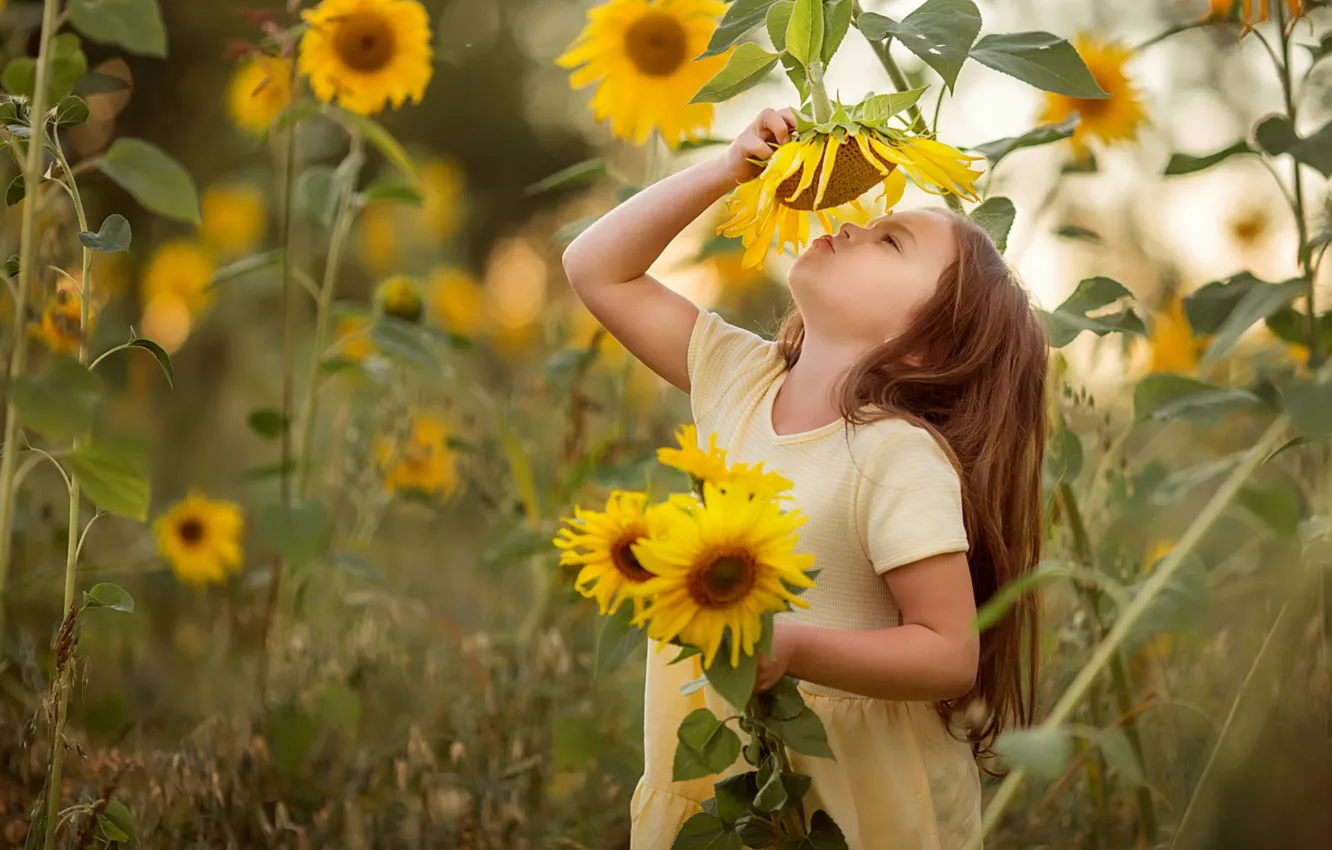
<point x="367" y="54"/>
<point x="641" y="55"/>
<point x="235" y="217"/>
<point x="352" y="338"/>
<point x="175" y="291"/>
<point x="259" y="90"/>
<point x="457" y="301"/>
<point x="1173" y="345"/>
<point x="425" y="463"/>
<point x="60" y="324"/>
<point x="201" y="539"/>
<point x="442" y="197"/>
<point x="826" y="168"/>
<point x="602" y="544"/>
<point x="400" y="297"/>
<point x="380" y="243"/>
<point x="720" y="565"/>
<point x="709" y="465"/>
<point x="1244" y="13"/>
<point x="1112" y="119"/>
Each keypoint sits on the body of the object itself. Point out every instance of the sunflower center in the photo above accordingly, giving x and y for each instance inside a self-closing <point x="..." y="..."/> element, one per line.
<point x="852" y="176"/>
<point x="723" y="581"/>
<point x="191" y="531"/>
<point x="657" y="44"/>
<point x="627" y="562"/>
<point x="364" y="41"/>
<point x="1092" y="108"/>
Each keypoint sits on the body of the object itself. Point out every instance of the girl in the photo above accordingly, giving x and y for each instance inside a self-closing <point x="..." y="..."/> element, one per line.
<point x="905" y="397"/>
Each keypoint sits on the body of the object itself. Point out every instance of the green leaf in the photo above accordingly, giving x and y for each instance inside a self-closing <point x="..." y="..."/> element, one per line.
<point x="1063" y="455"/>
<point x="782" y="701"/>
<point x="154" y="179"/>
<point x="16" y="191"/>
<point x="267" y="423"/>
<point x="618" y="639"/>
<point x="804" y="32"/>
<point x="20" y="77"/>
<point x="1039" y="59"/>
<point x="1256" y="304"/>
<point x="742" y="17"/>
<point x="68" y="65"/>
<point x="1093" y="294"/>
<point x="754" y="831"/>
<point x="574" y="175"/>
<point x="59" y="402"/>
<point x="575" y="740"/>
<point x="1042" y="751"/>
<point x="1292" y="326"/>
<point x="1043" y="135"/>
<point x="940" y="32"/>
<point x="1183" y="163"/>
<point x="339" y="707"/>
<point x="159" y="354"/>
<point x="771" y="794"/>
<point x="778" y="19"/>
<point x="1120" y="757"/>
<point x="995" y="216"/>
<point x="735" y="795"/>
<point x="107" y="595"/>
<point x="119" y="817"/>
<point x="315" y="194"/>
<point x="1280" y="508"/>
<point x="1309" y="406"/>
<point x="392" y="190"/>
<point x="244" y="266"/>
<point x="374" y="133"/>
<point x="706" y="746"/>
<point x="745" y="68"/>
<point x="12" y="266"/>
<point x="111" y="477"/>
<point x="114" y="235"/>
<point x="1179" y="484"/>
<point x="804" y="733"/>
<point x="135" y="25"/>
<point x="1210" y="306"/>
<point x="824" y="834"/>
<point x="72" y="112"/>
<point x="705" y="831"/>
<point x="290" y="734"/>
<point x="735" y="684"/>
<point x="403" y="341"/>
<point x="1169" y="396"/>
<point x="1276" y="136"/>
<point x="875" y="111"/>
<point x="836" y="21"/>
<point x="297" y="532"/>
<point x="797" y="785"/>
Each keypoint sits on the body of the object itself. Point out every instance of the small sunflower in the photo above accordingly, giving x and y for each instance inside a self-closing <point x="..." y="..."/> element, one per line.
<point x="379" y="237"/>
<point x="1173" y="345"/>
<point x="709" y="465"/>
<point x="181" y="268"/>
<point x="641" y="54"/>
<point x="367" y="54"/>
<point x="425" y="463"/>
<point x="457" y="301"/>
<point x="259" y="90"/>
<point x="351" y="338"/>
<point x="201" y="539"/>
<point x="826" y="168"/>
<point x="602" y="544"/>
<point x="400" y="297"/>
<point x="1112" y="119"/>
<point x="720" y="565"/>
<point x="59" y="327"/>
<point x="235" y="217"/>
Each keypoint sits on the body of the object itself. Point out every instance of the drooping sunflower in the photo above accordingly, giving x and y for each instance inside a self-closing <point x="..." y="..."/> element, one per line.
<point x="826" y="168"/>
<point x="400" y="297"/>
<point x="201" y="539"/>
<point x="1112" y="119"/>
<point x="602" y="544"/>
<point x="235" y="217"/>
<point x="457" y="301"/>
<point x="367" y="54"/>
<point x="258" y="92"/>
<point x="720" y="565"/>
<point x="641" y="54"/>
<point x="424" y="463"/>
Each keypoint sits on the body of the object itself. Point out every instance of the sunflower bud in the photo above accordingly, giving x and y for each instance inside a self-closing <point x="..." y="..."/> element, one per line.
<point x="400" y="297"/>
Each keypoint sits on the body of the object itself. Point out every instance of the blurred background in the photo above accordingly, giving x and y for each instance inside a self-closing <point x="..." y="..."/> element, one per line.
<point x="432" y="684"/>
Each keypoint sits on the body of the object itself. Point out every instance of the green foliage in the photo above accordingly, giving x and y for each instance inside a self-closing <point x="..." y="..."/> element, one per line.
<point x="1309" y="405"/>
<point x="618" y="639"/>
<point x="836" y="22"/>
<point x="1039" y="59"/>
<point x="1276" y="136"/>
<point x="117" y="822"/>
<point x="111" y="476"/>
<point x="803" y="733"/>
<point x="16" y="191"/>
<point x="154" y="179"/>
<point x="1169" y="396"/>
<point x="392" y="190"/>
<point x="995" y="216"/>
<point x="60" y="401"/>
<point x="824" y="834"/>
<point x="742" y="17"/>
<point x="159" y="354"/>
<point x="1044" y="135"/>
<point x="1043" y="751"/>
<point x="71" y="112"/>
<point x="106" y="595"/>
<point x="706" y="746"/>
<point x="378" y="137"/>
<point x="706" y="831"/>
<point x="1260" y="301"/>
<point x="291" y="735"/>
<point x="1182" y="163"/>
<point x="68" y="65"/>
<point x="267" y="423"/>
<point x="570" y="177"/>
<point x="940" y="32"/>
<point x="748" y="66"/>
<point x="804" y="32"/>
<point x="735" y="684"/>
<point x="113" y="236"/>
<point x="735" y="795"/>
<point x="875" y="111"/>
<point x="1092" y="295"/>
<point x="297" y="532"/>
<point x="135" y="25"/>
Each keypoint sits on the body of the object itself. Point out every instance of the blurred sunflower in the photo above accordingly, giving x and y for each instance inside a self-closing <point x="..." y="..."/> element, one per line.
<point x="59" y="326"/>
<point x="351" y="338"/>
<point x="442" y="202"/>
<point x="1173" y="345"/>
<point x="457" y="301"/>
<point x="720" y="564"/>
<point x="425" y="463"/>
<point x="201" y="539"/>
<point x="367" y="54"/>
<point x="175" y="291"/>
<point x="259" y="90"/>
<point x="1247" y="13"/>
<point x="641" y="54"/>
<point x="379" y="239"/>
<point x="400" y="297"/>
<point x="585" y="327"/>
<point x="235" y="218"/>
<point x="1112" y="119"/>
<point x="1250" y="226"/>
<point x="602" y="543"/>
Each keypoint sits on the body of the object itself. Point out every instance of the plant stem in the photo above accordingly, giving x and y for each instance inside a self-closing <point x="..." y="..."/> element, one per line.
<point x="818" y="92"/>
<point x="1128" y="618"/>
<point x="18" y="358"/>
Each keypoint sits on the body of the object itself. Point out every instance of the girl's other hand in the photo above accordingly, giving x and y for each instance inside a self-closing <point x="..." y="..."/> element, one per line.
<point x="771" y="669"/>
<point x="758" y="141"/>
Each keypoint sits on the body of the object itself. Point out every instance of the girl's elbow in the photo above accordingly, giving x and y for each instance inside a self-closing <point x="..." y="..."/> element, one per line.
<point x="965" y="670"/>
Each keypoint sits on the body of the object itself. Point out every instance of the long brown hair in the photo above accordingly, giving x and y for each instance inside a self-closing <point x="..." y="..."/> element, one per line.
<point x="971" y="368"/>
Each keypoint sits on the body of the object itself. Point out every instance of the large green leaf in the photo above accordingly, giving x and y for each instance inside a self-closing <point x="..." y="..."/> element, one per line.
<point x="706" y="831"/>
<point x="940" y="32"/>
<point x="1276" y="135"/>
<point x="297" y="532"/>
<point x="1071" y="318"/>
<point x="742" y="17"/>
<point x="1309" y="405"/>
<point x="735" y="684"/>
<point x="1168" y="396"/>
<point x="618" y="639"/>
<point x="746" y="68"/>
<point x="824" y="834"/>
<point x="118" y="816"/>
<point x="1183" y="163"/>
<point x="114" y="235"/>
<point x="995" y="216"/>
<point x="72" y="112"/>
<point x="1039" y="59"/>
<point x="836" y="22"/>
<point x="1256" y="305"/>
<point x="60" y="401"/>
<point x="68" y="64"/>
<point x="779" y="17"/>
<point x="1292" y="326"/>
<point x="735" y="795"/>
<point x="1043" y="135"/>
<point x="111" y="477"/>
<point x="156" y="180"/>
<point x="1208" y="308"/>
<point x="1042" y="751"/>
<point x="782" y="701"/>
<point x="804" y="733"/>
<point x="135" y="25"/>
<point x="706" y="746"/>
<point x="804" y="32"/>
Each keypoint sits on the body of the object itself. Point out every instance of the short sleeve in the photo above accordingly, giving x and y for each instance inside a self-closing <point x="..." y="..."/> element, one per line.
<point x="908" y="502"/>
<point x="722" y="357"/>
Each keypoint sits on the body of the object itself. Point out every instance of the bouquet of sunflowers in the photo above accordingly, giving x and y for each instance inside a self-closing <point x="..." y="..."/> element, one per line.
<point x="705" y="572"/>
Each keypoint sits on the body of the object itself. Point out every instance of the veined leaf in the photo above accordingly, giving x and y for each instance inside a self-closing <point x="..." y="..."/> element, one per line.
<point x="995" y="216"/>
<point x="156" y="180"/>
<point x="1169" y="396"/>
<point x="1257" y="304"/>
<point x="135" y="25"/>
<point x="1071" y="318"/>
<point x="836" y="21"/>
<point x="111" y="478"/>
<point x="705" y="746"/>
<point x="804" y="32"/>
<point x="113" y="236"/>
<point x="1183" y="163"/>
<point x="742" y="17"/>
<point x="876" y="110"/>
<point x="746" y="68"/>
<point x="1039" y="59"/>
<point x="940" y="32"/>
<point x="1043" y="135"/>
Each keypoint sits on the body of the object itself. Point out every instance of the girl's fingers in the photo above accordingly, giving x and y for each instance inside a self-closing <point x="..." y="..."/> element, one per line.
<point x="776" y="124"/>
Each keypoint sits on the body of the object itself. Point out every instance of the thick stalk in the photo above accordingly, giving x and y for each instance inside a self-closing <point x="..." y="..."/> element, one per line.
<point x="818" y="92"/>
<point x="18" y="358"/>
<point x="1107" y="649"/>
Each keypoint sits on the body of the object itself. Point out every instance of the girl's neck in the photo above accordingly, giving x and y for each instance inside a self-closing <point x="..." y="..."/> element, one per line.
<point x="807" y="397"/>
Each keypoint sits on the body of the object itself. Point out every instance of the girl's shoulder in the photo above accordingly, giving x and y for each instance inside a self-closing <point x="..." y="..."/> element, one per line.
<point x="896" y="442"/>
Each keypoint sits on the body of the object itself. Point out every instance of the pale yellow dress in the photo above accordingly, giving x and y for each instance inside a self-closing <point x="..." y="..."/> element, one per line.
<point x="876" y="497"/>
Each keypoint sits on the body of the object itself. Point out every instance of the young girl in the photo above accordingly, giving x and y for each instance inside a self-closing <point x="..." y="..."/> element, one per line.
<point x="905" y="397"/>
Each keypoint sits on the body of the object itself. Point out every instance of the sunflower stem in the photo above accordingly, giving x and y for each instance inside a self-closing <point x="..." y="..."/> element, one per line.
<point x="819" y="93"/>
<point x="18" y="358"/>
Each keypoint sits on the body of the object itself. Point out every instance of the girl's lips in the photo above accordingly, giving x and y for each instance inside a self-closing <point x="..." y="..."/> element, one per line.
<point x="827" y="243"/>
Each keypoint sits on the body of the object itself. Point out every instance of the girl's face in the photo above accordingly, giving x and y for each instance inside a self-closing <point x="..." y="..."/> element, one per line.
<point x="865" y="284"/>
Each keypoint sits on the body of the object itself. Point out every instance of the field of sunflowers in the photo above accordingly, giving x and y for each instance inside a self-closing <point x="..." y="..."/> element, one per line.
<point x="314" y="468"/>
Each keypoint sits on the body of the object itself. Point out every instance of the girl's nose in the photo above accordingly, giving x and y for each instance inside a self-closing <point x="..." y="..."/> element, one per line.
<point x="849" y="230"/>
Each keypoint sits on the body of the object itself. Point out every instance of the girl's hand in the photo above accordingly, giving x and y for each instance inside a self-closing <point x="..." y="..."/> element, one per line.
<point x="758" y="141"/>
<point x="785" y="639"/>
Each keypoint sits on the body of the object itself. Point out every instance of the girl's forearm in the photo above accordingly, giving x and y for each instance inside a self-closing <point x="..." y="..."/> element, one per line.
<point x="625" y="242"/>
<point x="903" y="663"/>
